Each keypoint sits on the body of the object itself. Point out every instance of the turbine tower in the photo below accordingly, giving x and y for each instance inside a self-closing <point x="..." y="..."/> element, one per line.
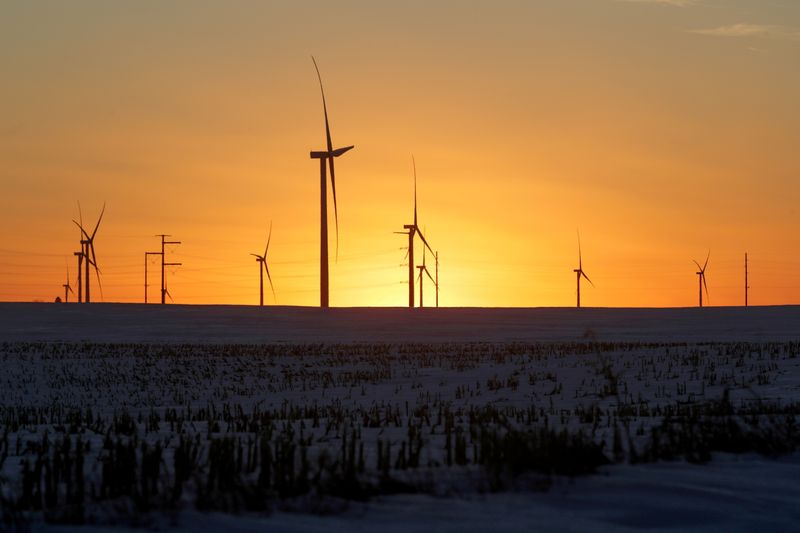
<point x="79" y="255"/>
<point x="67" y="288"/>
<point x="579" y="271"/>
<point x="701" y="278"/>
<point x="422" y="268"/>
<point x="87" y="249"/>
<point x="262" y="267"/>
<point x="746" y="284"/>
<point x="412" y="230"/>
<point x="324" y="156"/>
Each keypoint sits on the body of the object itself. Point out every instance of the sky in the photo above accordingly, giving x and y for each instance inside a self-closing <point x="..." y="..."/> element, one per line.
<point x="661" y="130"/>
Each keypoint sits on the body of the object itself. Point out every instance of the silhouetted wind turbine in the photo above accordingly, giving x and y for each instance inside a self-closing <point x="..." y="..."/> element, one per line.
<point x="326" y="155"/>
<point x="262" y="267"/>
<point x="87" y="245"/>
<point x="579" y="271"/>
<point x="412" y="230"/>
<point x="422" y="268"/>
<point x="67" y="288"/>
<point x="701" y="278"/>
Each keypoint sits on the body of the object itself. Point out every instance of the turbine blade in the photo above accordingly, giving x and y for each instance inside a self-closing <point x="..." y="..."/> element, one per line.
<point x="102" y="211"/>
<point x="580" y="264"/>
<point x="429" y="275"/>
<point x="587" y="278"/>
<point x="258" y="256"/>
<point x="266" y="268"/>
<point x="340" y="151"/>
<point x="703" y="277"/>
<point x="97" y="275"/>
<point x="698" y="265"/>
<point x="269" y="237"/>
<point x="414" y="164"/>
<point x="706" y="263"/>
<point x="166" y="290"/>
<point x="86" y="235"/>
<point x="73" y="292"/>
<point x="421" y="236"/>
<point x="324" y="107"/>
<point x="80" y="215"/>
<point x="94" y="257"/>
<point x="335" y="208"/>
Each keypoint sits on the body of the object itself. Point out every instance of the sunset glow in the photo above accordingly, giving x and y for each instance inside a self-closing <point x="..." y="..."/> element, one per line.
<point x="659" y="130"/>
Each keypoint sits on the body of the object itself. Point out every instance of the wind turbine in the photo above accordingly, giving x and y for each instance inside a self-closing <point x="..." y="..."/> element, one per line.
<point x="262" y="267"/>
<point x="326" y="155"/>
<point x="67" y="288"/>
<point x="87" y="248"/>
<point x="701" y="278"/>
<point x="412" y="230"/>
<point x="422" y="268"/>
<point x="579" y="271"/>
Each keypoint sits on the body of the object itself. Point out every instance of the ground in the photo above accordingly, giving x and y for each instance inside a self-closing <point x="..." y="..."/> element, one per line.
<point x="448" y="419"/>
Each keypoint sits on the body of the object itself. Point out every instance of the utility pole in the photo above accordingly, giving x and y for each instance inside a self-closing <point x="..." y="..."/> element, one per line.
<point x="164" y="264"/>
<point x="146" y="256"/>
<point x="746" y="286"/>
<point x="436" y="255"/>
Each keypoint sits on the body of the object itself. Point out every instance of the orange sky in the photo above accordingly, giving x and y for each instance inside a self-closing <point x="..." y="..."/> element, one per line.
<point x="659" y="128"/>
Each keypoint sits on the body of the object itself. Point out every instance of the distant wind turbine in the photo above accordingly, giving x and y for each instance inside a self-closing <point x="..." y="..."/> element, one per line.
<point x="326" y="155"/>
<point x="579" y="271"/>
<point x="262" y="267"/>
<point x="411" y="231"/>
<point x="67" y="288"/>
<point x="87" y="248"/>
<point x="701" y="278"/>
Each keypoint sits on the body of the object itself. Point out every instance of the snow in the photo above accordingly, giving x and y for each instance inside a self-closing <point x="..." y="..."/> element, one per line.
<point x="459" y="358"/>
<point x="246" y="324"/>
<point x="731" y="494"/>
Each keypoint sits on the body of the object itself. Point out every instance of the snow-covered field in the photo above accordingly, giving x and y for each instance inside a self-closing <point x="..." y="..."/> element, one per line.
<point x="199" y="323"/>
<point x="293" y="419"/>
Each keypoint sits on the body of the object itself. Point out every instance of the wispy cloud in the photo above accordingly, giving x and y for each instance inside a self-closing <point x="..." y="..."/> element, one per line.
<point x="676" y="3"/>
<point x="751" y="30"/>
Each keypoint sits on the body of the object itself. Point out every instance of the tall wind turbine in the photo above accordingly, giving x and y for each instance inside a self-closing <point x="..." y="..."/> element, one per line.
<point x="262" y="267"/>
<point x="87" y="247"/>
<point x="324" y="156"/>
<point x="67" y="288"/>
<point x="701" y="278"/>
<point x="422" y="268"/>
<point x="579" y="271"/>
<point x="411" y="231"/>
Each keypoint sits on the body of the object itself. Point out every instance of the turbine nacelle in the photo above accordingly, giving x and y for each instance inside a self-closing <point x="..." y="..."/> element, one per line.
<point x="320" y="154"/>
